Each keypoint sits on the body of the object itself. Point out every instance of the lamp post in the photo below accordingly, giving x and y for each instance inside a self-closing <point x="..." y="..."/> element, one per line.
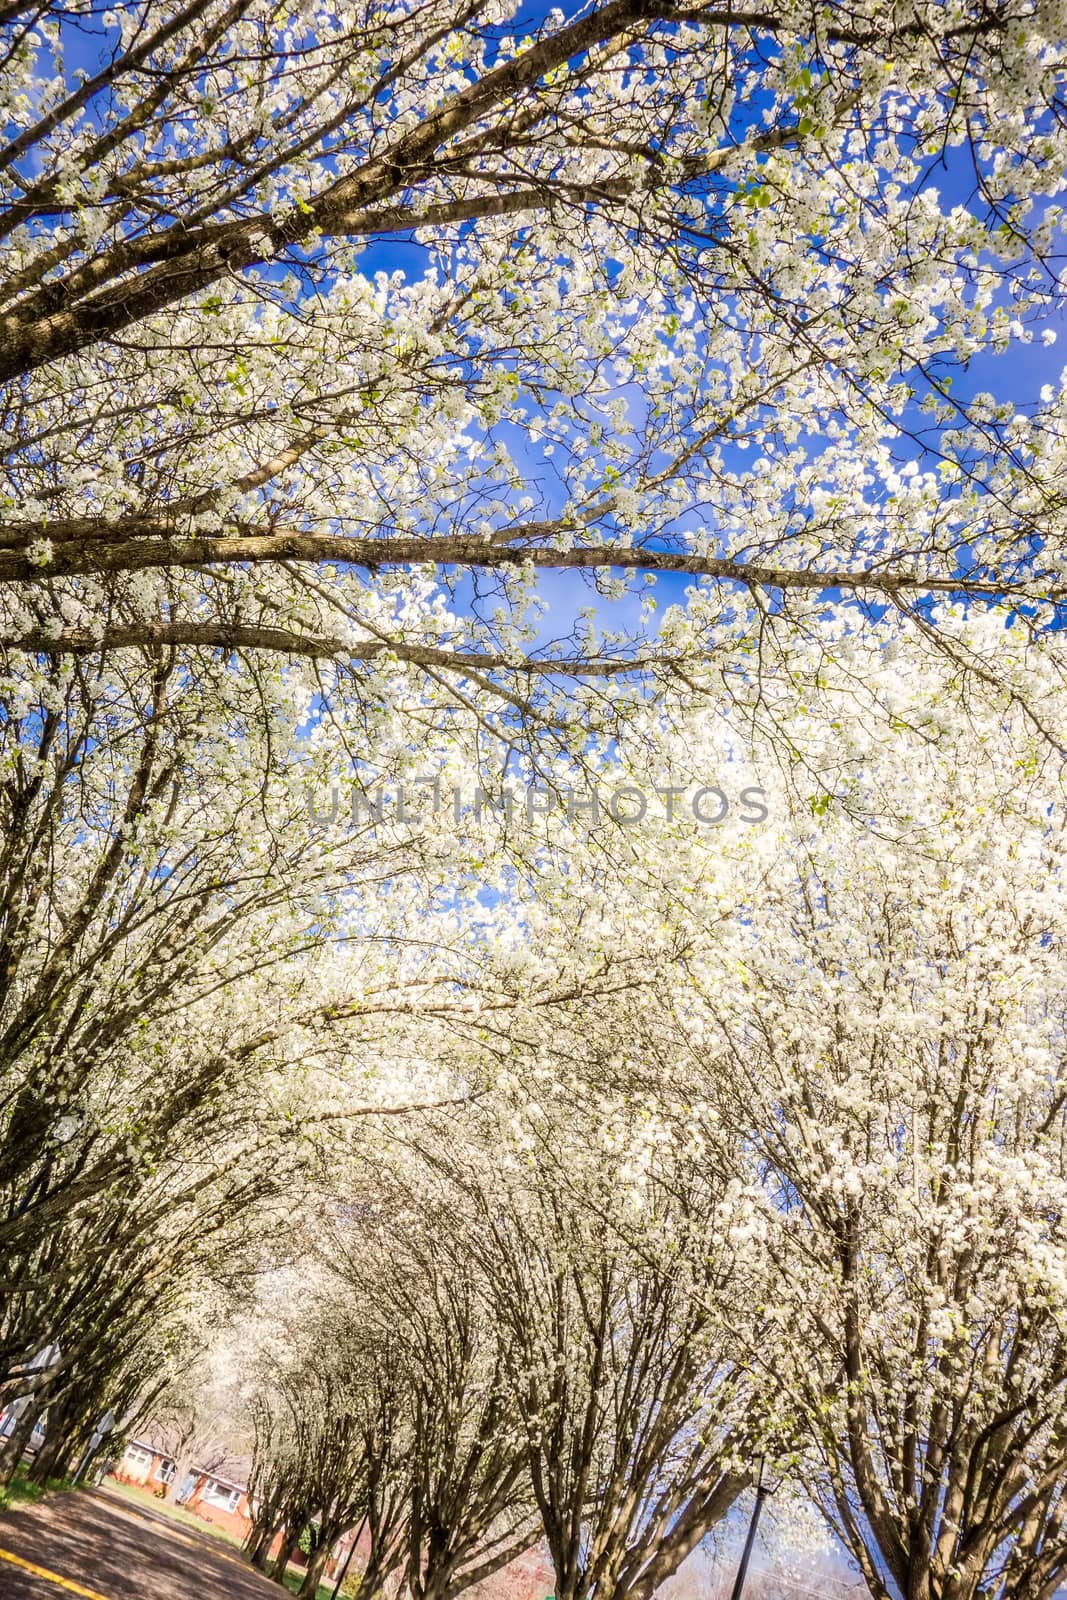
<point x="766" y="1483"/>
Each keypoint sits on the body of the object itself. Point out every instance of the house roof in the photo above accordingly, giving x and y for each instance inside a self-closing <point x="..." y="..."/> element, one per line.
<point x="157" y="1437"/>
<point x="210" y="1459"/>
<point x="234" y="1474"/>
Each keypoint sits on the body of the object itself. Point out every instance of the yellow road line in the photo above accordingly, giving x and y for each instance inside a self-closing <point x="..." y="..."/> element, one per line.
<point x="52" y="1577"/>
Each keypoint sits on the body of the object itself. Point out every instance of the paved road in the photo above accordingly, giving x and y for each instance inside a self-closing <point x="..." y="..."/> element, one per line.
<point x="108" y="1550"/>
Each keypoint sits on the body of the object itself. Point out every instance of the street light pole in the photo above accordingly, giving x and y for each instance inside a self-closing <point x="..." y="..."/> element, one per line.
<point x="763" y="1489"/>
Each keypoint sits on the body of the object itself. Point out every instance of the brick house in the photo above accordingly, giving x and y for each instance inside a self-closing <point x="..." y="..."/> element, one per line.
<point x="214" y="1489"/>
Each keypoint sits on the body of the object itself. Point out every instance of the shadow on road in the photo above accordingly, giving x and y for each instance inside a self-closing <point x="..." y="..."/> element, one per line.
<point x="95" y="1540"/>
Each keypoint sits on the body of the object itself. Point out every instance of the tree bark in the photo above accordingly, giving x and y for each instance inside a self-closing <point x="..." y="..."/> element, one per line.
<point x="15" y="1445"/>
<point x="285" y="1554"/>
<point x="316" y="1565"/>
<point x="263" y="1536"/>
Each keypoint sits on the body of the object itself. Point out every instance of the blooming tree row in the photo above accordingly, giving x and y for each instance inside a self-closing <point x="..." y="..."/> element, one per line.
<point x="794" y="1188"/>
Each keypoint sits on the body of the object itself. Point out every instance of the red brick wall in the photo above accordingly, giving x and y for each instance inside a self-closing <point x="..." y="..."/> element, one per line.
<point x="238" y="1523"/>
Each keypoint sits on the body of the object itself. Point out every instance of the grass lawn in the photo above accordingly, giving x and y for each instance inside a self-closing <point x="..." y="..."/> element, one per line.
<point x="293" y="1580"/>
<point x="21" y="1492"/>
<point x="178" y="1514"/>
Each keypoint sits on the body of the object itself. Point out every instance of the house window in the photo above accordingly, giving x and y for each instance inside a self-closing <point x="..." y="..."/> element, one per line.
<point x="219" y="1494"/>
<point x="166" y="1470"/>
<point x="137" y="1455"/>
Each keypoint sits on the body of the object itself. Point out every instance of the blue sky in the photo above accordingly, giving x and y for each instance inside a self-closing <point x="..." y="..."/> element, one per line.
<point x="1017" y="375"/>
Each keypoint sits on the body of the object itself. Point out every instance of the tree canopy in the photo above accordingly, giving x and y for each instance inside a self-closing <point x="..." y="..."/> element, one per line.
<point x="302" y="303"/>
<point x="532" y="723"/>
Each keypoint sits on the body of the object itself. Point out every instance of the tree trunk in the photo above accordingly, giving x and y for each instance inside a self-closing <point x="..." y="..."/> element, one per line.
<point x="53" y="1456"/>
<point x="14" y="1446"/>
<point x="260" y="1541"/>
<point x="181" y="1467"/>
<point x="288" y="1546"/>
<point x="316" y="1565"/>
